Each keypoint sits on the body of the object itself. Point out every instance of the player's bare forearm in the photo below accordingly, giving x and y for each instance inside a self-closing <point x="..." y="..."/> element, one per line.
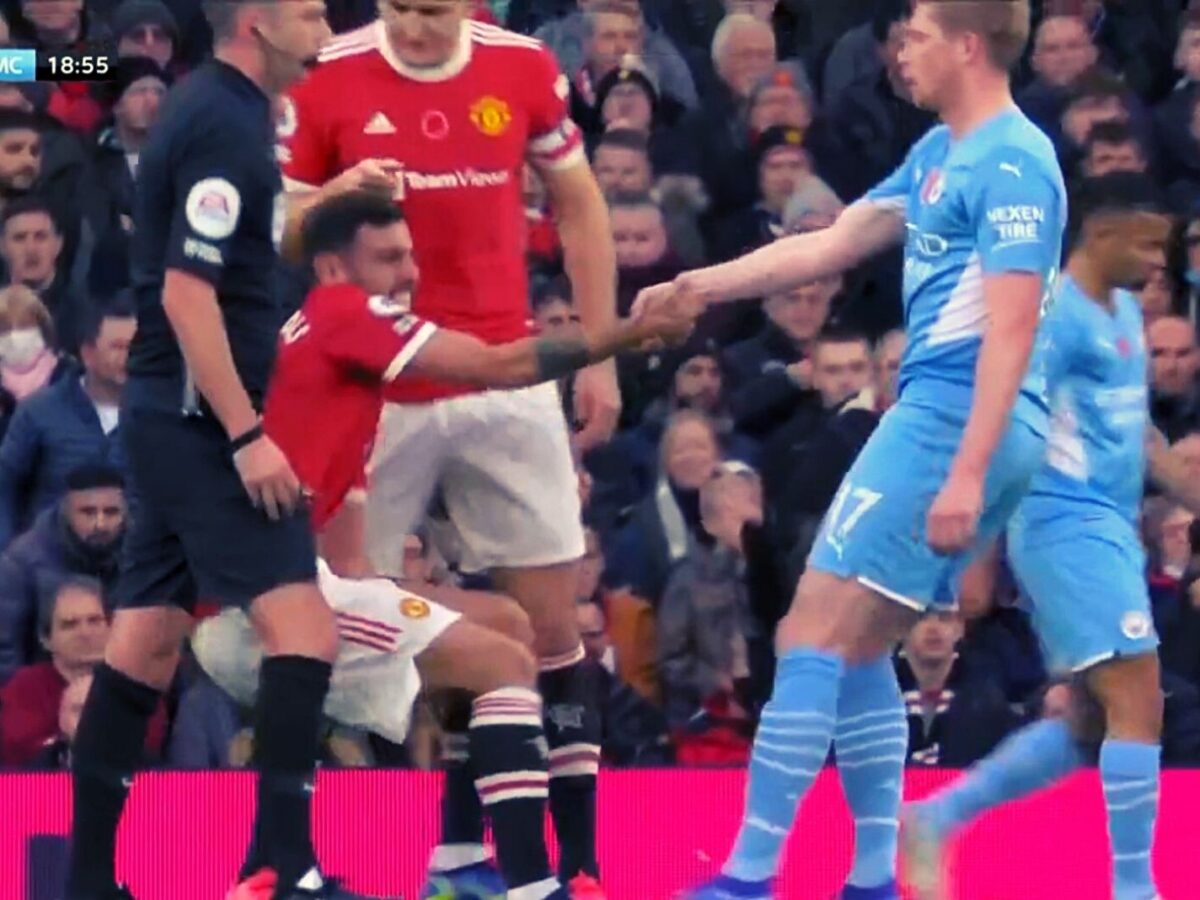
<point x="588" y="254"/>
<point x="862" y="230"/>
<point x="1013" y="305"/>
<point x="455" y="356"/>
<point x="190" y="304"/>
<point x="1170" y="472"/>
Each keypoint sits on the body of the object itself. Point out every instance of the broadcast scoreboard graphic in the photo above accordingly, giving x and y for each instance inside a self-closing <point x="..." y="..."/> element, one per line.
<point x="24" y="65"/>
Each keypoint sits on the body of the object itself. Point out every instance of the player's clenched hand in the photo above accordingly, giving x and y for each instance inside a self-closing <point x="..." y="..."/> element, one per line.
<point x="369" y="175"/>
<point x="669" y="316"/>
<point x="597" y="405"/>
<point x="650" y="295"/>
<point x="954" y="515"/>
<point x="268" y="477"/>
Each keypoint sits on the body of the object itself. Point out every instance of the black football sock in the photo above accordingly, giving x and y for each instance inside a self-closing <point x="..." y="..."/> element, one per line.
<point x="287" y="737"/>
<point x="508" y="753"/>
<point x="570" y="690"/>
<point x="108" y="747"/>
<point x="462" y="814"/>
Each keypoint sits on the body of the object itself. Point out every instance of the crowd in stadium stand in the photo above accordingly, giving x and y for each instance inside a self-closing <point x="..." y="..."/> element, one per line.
<point x="714" y="127"/>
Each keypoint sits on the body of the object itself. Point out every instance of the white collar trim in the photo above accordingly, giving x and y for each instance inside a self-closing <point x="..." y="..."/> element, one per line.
<point x="453" y="66"/>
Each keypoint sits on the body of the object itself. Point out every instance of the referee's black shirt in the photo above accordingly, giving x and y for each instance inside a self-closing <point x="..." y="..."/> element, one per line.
<point x="208" y="202"/>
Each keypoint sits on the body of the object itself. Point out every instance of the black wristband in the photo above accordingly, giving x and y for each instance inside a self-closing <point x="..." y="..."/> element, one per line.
<point x="557" y="357"/>
<point x="246" y="438"/>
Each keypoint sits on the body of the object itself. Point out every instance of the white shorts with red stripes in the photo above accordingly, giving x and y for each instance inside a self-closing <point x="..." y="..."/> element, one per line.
<point x="375" y="681"/>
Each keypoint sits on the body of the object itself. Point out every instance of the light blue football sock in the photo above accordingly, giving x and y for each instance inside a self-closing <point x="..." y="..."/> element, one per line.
<point x="789" y="750"/>
<point x="1129" y="772"/>
<point x="1032" y="758"/>
<point x="871" y="743"/>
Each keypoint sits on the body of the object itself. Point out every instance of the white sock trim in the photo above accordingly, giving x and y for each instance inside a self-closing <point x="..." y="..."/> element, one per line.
<point x="539" y="890"/>
<point x="454" y="856"/>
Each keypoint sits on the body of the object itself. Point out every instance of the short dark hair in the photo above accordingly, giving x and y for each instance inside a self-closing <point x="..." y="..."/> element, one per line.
<point x="1116" y="192"/>
<point x="222" y="16"/>
<point x="839" y="334"/>
<point x="27" y="205"/>
<point x="333" y="225"/>
<point x="632" y="200"/>
<point x="90" y="476"/>
<point x="625" y="139"/>
<point x="1112" y="133"/>
<point x="13" y="119"/>
<point x="49" y="601"/>
<point x="1096" y="84"/>
<point x="96" y="312"/>
<point x="551" y="290"/>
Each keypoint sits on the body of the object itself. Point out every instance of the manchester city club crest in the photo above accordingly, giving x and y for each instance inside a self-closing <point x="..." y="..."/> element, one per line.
<point x="933" y="187"/>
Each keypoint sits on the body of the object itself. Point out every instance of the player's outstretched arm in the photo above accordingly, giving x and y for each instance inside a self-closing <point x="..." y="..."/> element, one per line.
<point x="862" y="230"/>
<point x="1169" y="472"/>
<point x="454" y="356"/>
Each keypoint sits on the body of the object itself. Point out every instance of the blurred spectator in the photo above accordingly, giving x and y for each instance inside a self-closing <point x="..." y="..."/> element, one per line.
<point x="805" y="460"/>
<point x="592" y="40"/>
<point x="64" y="26"/>
<point x="634" y="731"/>
<point x="1176" y="130"/>
<point x="1112" y="147"/>
<point x="31" y="245"/>
<point x="628" y="98"/>
<point x="664" y="525"/>
<point x="28" y="358"/>
<point x="73" y="626"/>
<point x="1174" y="361"/>
<point x="743" y="52"/>
<point x="782" y="163"/>
<point x="107" y="202"/>
<point x="146" y="28"/>
<point x="783" y="99"/>
<point x="1063" y="51"/>
<point x="644" y="254"/>
<point x="1095" y="97"/>
<point x="866" y="131"/>
<point x="954" y="717"/>
<point x="771" y="372"/>
<point x="56" y="755"/>
<point x="1173" y="552"/>
<point x="1156" y="296"/>
<point x="207" y="726"/>
<point x="811" y="207"/>
<point x="709" y="645"/>
<point x="621" y="162"/>
<point x="81" y="537"/>
<point x="857" y="57"/>
<point x="1181" y="638"/>
<point x="70" y="423"/>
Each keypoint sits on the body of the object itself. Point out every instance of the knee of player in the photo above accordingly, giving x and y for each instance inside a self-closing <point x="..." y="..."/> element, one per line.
<point x="514" y="663"/>
<point x="513" y="622"/>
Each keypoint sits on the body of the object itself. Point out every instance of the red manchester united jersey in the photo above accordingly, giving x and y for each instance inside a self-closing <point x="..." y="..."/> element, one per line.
<point x="460" y="134"/>
<point x="335" y="356"/>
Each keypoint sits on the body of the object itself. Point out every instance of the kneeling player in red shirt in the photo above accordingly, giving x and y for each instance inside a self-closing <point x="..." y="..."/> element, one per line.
<point x="352" y="336"/>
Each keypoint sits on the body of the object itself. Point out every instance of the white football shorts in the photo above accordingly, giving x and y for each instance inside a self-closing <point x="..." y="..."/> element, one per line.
<point x="382" y="628"/>
<point x="502" y="460"/>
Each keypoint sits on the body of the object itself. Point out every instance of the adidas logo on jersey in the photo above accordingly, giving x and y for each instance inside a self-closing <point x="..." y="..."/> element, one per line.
<point x="379" y="124"/>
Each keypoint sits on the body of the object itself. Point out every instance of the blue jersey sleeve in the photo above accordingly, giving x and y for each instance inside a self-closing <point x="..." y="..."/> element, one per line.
<point x="1019" y="215"/>
<point x="894" y="190"/>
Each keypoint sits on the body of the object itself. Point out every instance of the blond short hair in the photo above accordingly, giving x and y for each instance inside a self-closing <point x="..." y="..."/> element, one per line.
<point x="1003" y="24"/>
<point x="19" y="303"/>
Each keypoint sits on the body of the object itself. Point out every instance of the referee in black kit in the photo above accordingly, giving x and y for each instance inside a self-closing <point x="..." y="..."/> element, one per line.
<point x="217" y="510"/>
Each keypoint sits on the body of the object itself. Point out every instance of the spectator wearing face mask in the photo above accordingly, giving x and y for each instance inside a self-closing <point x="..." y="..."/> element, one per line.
<point x="28" y="359"/>
<point x="79" y="537"/>
<point x="71" y="423"/>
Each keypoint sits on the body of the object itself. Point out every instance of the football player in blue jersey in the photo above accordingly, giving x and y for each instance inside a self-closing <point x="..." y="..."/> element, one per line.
<point x="1075" y="550"/>
<point x="980" y="206"/>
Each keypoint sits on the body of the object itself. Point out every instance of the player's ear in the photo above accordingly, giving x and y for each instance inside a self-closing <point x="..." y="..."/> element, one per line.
<point x="329" y="268"/>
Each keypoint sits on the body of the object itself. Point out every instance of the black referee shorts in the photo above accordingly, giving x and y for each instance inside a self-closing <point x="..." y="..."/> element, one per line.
<point x="194" y="534"/>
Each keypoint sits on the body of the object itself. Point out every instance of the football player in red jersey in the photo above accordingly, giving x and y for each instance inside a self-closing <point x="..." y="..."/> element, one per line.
<point x="442" y="112"/>
<point x="351" y="337"/>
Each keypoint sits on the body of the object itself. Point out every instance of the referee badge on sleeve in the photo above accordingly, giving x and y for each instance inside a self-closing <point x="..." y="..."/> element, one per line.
<point x="212" y="208"/>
